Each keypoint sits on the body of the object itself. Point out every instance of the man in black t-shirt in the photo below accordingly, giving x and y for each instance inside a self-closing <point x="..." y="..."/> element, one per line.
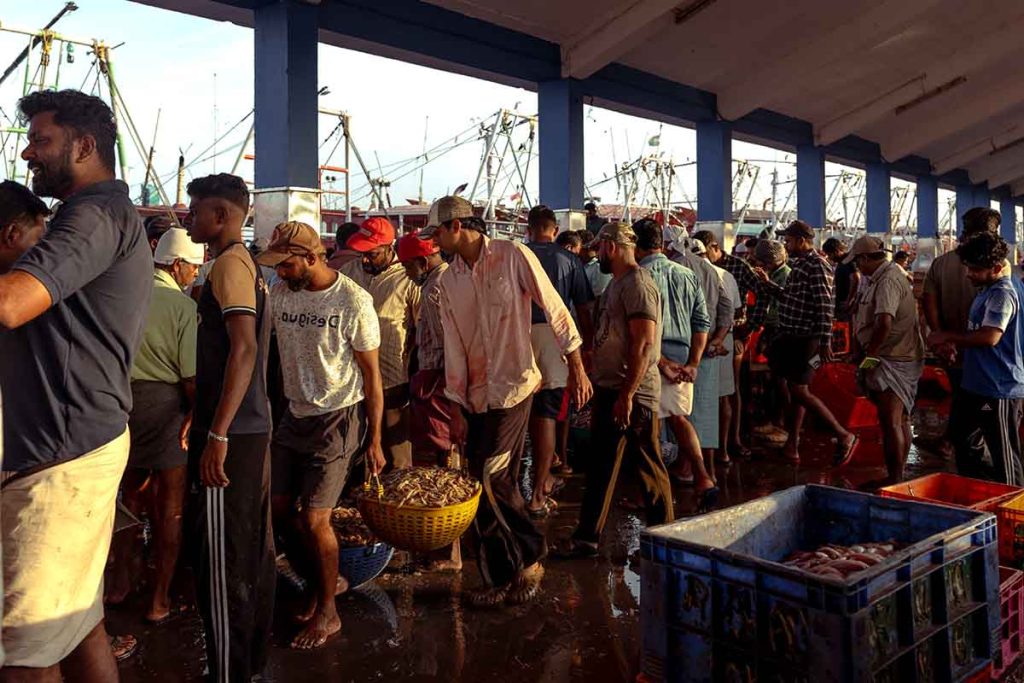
<point x="228" y="455"/>
<point x="70" y="324"/>
<point x="845" y="276"/>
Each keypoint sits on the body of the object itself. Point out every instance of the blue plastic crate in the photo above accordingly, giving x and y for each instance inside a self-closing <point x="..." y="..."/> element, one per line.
<point x="717" y="580"/>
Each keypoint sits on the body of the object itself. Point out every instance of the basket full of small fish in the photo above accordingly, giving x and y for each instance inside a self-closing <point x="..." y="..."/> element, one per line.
<point x="821" y="584"/>
<point x="361" y="556"/>
<point x="420" y="508"/>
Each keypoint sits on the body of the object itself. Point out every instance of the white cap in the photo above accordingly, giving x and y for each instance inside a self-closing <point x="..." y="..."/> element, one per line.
<point x="176" y="244"/>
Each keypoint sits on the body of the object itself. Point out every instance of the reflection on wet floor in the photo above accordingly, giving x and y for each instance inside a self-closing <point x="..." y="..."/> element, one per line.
<point x="409" y="626"/>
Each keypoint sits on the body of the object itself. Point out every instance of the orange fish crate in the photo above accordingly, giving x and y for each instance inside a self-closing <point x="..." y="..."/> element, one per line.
<point x="1010" y="519"/>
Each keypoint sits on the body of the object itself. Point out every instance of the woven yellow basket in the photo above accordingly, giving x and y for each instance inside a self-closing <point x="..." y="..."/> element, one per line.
<point x="421" y="529"/>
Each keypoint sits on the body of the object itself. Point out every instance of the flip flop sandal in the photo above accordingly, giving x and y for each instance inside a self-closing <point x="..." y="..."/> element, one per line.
<point x="123" y="647"/>
<point x="842" y="456"/>
<point x="685" y="481"/>
<point x="741" y="452"/>
<point x="525" y="589"/>
<point x="708" y="500"/>
<point x="539" y="513"/>
<point x="576" y="550"/>
<point x="557" y="486"/>
<point x="488" y="597"/>
<point x="175" y="612"/>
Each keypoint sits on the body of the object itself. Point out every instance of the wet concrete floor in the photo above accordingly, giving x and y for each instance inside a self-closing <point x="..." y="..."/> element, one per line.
<point x="583" y="627"/>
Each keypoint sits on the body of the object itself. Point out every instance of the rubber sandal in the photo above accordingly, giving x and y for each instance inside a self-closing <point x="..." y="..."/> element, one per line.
<point x="576" y="550"/>
<point x="708" y="500"/>
<point x="539" y="513"/>
<point x="557" y="486"/>
<point x="741" y="452"/>
<point x="685" y="481"/>
<point x="525" y="589"/>
<point x="488" y="597"/>
<point x="123" y="647"/>
<point x="175" y="612"/>
<point x="842" y="456"/>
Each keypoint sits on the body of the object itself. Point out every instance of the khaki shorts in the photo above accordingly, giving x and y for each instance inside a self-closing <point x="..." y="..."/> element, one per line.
<point x="554" y="371"/>
<point x="57" y="525"/>
<point x="676" y="399"/>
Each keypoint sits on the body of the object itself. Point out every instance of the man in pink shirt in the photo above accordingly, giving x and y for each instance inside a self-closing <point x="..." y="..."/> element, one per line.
<point x="485" y="300"/>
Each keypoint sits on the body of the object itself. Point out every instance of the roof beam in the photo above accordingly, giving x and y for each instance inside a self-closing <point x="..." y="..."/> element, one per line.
<point x="996" y="164"/>
<point x="1017" y="187"/>
<point x="610" y="36"/>
<point x="915" y="133"/>
<point x="977" y="150"/>
<point x="761" y="86"/>
<point x="1003" y="176"/>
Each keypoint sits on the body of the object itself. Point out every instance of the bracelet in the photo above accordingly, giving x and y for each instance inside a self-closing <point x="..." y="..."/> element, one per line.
<point x="217" y="437"/>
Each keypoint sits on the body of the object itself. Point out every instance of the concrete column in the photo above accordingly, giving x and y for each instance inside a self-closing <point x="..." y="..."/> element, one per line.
<point x="560" y="107"/>
<point x="964" y="202"/>
<point x="878" y="199"/>
<point x="927" y="221"/>
<point x="714" y="171"/>
<point x="1008" y="220"/>
<point x="810" y="185"/>
<point x="287" y="155"/>
<point x="982" y="196"/>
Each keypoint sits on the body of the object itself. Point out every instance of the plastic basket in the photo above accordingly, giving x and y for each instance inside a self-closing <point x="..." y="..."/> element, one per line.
<point x="836" y="385"/>
<point x="952" y="489"/>
<point x="717" y="604"/>
<point x="364" y="563"/>
<point x="415" y="528"/>
<point x="1011" y="614"/>
<point x="1010" y="515"/>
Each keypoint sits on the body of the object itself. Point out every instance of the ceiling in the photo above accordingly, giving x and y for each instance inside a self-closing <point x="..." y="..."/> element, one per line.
<point x="938" y="79"/>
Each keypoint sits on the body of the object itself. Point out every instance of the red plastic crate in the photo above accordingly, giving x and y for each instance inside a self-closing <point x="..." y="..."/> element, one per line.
<point x="952" y="489"/>
<point x="983" y="676"/>
<point x="836" y="385"/>
<point x="1010" y="520"/>
<point x="1011" y="618"/>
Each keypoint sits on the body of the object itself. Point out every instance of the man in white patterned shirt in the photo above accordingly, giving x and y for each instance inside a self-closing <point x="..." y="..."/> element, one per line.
<point x="328" y="337"/>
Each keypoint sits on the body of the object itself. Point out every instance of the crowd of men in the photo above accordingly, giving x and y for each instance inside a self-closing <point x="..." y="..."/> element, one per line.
<point x="229" y="393"/>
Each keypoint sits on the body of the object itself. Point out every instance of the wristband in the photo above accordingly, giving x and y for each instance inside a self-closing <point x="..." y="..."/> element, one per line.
<point x="217" y="437"/>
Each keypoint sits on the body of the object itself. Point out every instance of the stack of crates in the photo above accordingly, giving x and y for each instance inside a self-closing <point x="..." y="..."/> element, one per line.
<point x="717" y="604"/>
<point x="1011" y="616"/>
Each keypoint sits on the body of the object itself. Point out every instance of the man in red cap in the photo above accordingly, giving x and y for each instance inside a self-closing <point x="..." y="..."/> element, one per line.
<point x="397" y="301"/>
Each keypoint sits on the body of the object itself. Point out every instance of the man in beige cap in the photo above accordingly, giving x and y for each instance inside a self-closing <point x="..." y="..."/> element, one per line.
<point x="163" y="392"/>
<point x="328" y="336"/>
<point x="484" y="298"/>
<point x="625" y="428"/>
<point x="888" y="345"/>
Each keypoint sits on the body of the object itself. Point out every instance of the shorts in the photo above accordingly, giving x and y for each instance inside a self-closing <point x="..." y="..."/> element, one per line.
<point x="676" y="399"/>
<point x="790" y="358"/>
<point x="311" y="456"/>
<point x="158" y="410"/>
<point x="548" y="403"/>
<point x="57" y="524"/>
<point x="554" y="371"/>
<point x="726" y="371"/>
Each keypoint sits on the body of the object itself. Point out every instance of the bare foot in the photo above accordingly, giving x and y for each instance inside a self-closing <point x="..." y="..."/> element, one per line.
<point x="791" y="452"/>
<point x="445" y="566"/>
<point x="117" y="594"/>
<point x="341" y="586"/>
<point x="320" y="627"/>
<point x="308" y="611"/>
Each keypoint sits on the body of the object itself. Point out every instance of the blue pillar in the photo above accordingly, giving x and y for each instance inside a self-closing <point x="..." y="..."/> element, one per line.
<point x="878" y="199"/>
<point x="927" y="207"/>
<point x="560" y="107"/>
<point x="964" y="202"/>
<point x="1008" y="220"/>
<point x="714" y="171"/>
<point x="286" y="41"/>
<point x="810" y="185"/>
<point x="982" y="196"/>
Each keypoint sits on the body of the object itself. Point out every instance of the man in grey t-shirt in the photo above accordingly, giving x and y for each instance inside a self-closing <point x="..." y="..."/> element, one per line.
<point x="627" y="388"/>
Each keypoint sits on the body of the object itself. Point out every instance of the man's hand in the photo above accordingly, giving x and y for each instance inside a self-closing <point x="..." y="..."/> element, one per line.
<point x="375" y="457"/>
<point x="457" y="428"/>
<point x="946" y="353"/>
<point x="622" y="410"/>
<point x="826" y="353"/>
<point x="211" y="465"/>
<point x="715" y="349"/>
<point x="688" y="374"/>
<point x="761" y="274"/>
<point x="578" y="386"/>
<point x="936" y="339"/>
<point x="671" y="370"/>
<point x="186" y="426"/>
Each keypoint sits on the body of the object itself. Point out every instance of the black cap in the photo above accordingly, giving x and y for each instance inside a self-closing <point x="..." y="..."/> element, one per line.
<point x="799" y="229"/>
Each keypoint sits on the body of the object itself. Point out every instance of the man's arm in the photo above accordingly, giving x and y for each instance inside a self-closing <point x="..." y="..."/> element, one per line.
<point x="931" y="311"/>
<point x="823" y="303"/>
<point x="241" y="329"/>
<point x="188" y="387"/>
<point x="373" y="389"/>
<point x="22" y="299"/>
<point x="979" y="338"/>
<point x="879" y="333"/>
<point x="642" y="337"/>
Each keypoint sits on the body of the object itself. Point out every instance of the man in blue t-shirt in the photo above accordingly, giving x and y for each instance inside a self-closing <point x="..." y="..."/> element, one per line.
<point x="987" y="411"/>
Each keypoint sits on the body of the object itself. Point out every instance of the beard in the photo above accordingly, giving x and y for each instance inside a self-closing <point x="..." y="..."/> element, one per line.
<point x="605" y="264"/>
<point x="301" y="283"/>
<point x="53" y="179"/>
<point x="375" y="269"/>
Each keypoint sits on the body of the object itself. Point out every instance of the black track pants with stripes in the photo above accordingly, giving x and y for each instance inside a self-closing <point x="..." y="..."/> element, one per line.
<point x="233" y="557"/>
<point x="980" y="426"/>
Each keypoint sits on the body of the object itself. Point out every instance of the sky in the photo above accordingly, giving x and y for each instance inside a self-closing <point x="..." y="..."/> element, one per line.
<point x="197" y="74"/>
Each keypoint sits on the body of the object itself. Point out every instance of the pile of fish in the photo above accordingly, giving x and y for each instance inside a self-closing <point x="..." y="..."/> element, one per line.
<point x="432" y="487"/>
<point x="838" y="561"/>
<point x="350" y="529"/>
